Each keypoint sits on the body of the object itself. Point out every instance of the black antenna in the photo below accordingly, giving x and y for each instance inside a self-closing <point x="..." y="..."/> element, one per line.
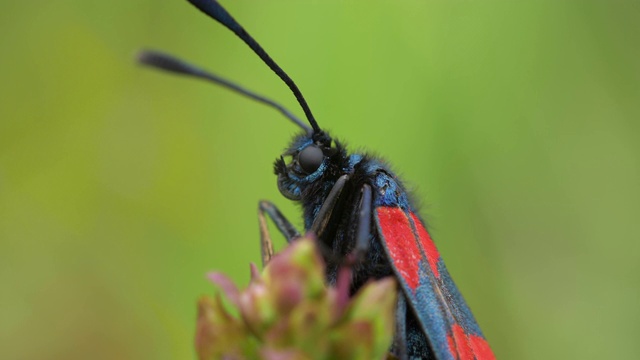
<point x="171" y="64"/>
<point x="218" y="13"/>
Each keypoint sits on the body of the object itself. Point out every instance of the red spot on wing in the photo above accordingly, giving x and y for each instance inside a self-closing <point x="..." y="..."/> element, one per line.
<point x="427" y="244"/>
<point x="463" y="348"/>
<point x="452" y="345"/>
<point x="401" y="243"/>
<point x="481" y="348"/>
<point x="468" y="347"/>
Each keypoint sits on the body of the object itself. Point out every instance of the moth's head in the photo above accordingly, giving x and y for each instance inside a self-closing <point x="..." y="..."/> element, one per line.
<point x="307" y="159"/>
<point x="310" y="155"/>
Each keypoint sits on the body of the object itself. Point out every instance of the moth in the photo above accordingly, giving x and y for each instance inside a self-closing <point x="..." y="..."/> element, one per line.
<point x="359" y="209"/>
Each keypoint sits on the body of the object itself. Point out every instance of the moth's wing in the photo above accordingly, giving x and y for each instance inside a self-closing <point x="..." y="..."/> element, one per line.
<point x="444" y="316"/>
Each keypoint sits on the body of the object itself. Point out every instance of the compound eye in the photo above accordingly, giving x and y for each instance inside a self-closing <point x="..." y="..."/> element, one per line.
<point x="310" y="158"/>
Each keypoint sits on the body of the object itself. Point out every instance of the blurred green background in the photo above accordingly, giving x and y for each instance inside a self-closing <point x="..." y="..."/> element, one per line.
<point x="120" y="187"/>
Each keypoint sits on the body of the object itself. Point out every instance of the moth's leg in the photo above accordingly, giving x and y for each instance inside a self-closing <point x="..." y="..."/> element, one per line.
<point x="363" y="228"/>
<point x="324" y="215"/>
<point x="363" y="232"/>
<point x="284" y="226"/>
<point x="400" y="336"/>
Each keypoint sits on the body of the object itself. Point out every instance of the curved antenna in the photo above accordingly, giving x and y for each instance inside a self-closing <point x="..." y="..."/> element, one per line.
<point x="171" y="64"/>
<point x="218" y="13"/>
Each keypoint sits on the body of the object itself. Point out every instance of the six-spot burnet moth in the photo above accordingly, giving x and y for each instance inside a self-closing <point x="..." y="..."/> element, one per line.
<point x="358" y="209"/>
